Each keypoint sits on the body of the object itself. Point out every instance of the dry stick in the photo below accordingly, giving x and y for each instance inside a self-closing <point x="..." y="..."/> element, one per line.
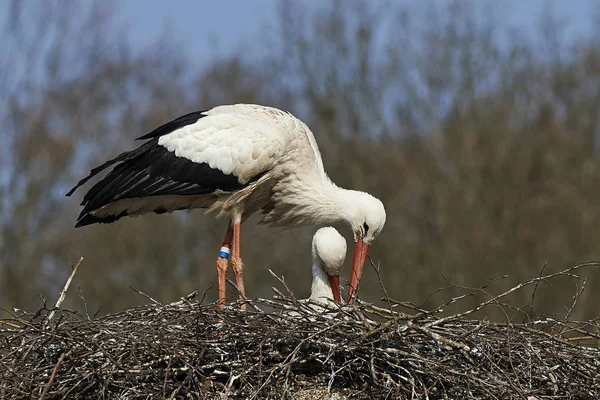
<point x="63" y="293"/>
<point x="303" y="305"/>
<point x="575" y="299"/>
<point x="414" y="307"/>
<point x="472" y="291"/>
<point x="282" y="281"/>
<point x="245" y="300"/>
<point x="164" y="396"/>
<point x="184" y="299"/>
<point x="385" y="292"/>
<point x="394" y="319"/>
<point x="534" y="292"/>
<point x="145" y="295"/>
<point x="3" y="322"/>
<point x="290" y="359"/>
<point x="508" y="330"/>
<point x="535" y="331"/>
<point x="54" y="371"/>
<point x="566" y="272"/>
<point x="578" y="329"/>
<point x="85" y="305"/>
<point x="418" y="376"/>
<point x="291" y="296"/>
<point x="282" y="302"/>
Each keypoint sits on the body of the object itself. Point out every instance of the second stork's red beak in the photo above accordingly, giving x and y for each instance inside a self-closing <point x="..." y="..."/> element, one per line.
<point x="358" y="262"/>
<point x="334" y="282"/>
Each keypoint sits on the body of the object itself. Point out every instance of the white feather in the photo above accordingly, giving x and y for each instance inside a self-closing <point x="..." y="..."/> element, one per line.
<point x="328" y="255"/>
<point x="240" y="143"/>
<point x="246" y="140"/>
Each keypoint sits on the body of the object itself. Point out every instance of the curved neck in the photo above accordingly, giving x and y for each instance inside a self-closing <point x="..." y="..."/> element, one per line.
<point x="317" y="201"/>
<point x="320" y="288"/>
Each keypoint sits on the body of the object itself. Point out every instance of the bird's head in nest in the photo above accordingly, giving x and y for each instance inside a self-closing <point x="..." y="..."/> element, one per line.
<point x="329" y="247"/>
<point x="329" y="250"/>
<point x="367" y="218"/>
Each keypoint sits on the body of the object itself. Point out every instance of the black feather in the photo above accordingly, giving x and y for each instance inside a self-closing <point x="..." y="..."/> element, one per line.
<point x="152" y="170"/>
<point x="89" y="219"/>
<point x="169" y="127"/>
<point x="97" y="170"/>
<point x="177" y="123"/>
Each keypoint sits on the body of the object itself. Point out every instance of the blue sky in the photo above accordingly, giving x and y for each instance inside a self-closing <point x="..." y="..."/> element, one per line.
<point x="219" y="28"/>
<point x="205" y="29"/>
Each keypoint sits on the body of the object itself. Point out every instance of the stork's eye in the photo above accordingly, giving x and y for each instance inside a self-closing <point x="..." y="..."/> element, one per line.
<point x="366" y="227"/>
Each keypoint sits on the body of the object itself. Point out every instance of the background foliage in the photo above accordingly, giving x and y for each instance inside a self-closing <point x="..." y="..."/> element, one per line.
<point x="484" y="147"/>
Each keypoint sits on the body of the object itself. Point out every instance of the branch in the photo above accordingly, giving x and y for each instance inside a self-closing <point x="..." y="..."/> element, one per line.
<point x="63" y="293"/>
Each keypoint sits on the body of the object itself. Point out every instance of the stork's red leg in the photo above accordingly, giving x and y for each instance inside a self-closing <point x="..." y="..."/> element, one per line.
<point x="222" y="262"/>
<point x="236" y="261"/>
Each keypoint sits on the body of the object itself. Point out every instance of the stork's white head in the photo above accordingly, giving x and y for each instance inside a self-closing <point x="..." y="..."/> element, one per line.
<point x="329" y="253"/>
<point x="366" y="216"/>
<point x="329" y="248"/>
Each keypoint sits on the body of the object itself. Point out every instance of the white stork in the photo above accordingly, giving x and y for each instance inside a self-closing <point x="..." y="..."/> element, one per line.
<point x="328" y="255"/>
<point x="233" y="160"/>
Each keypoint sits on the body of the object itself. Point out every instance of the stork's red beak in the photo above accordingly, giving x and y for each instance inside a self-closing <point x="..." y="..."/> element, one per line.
<point x="358" y="262"/>
<point x="334" y="282"/>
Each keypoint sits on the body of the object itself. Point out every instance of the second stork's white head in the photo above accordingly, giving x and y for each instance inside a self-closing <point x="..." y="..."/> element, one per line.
<point x="328" y="255"/>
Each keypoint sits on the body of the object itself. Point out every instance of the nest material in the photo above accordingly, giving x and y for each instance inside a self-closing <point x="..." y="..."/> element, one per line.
<point x="192" y="350"/>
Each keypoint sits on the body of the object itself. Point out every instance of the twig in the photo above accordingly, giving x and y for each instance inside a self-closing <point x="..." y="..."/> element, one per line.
<point x="85" y="305"/>
<point x="244" y="298"/>
<point x="164" y="388"/>
<point x="576" y="297"/>
<point x="63" y="293"/>
<point x="414" y="307"/>
<point x="153" y="349"/>
<point x="53" y="375"/>
<point x="185" y="299"/>
<point x="385" y="292"/>
<point x="145" y="295"/>
<point x="472" y="291"/>
<point x="535" y="290"/>
<point x="282" y="281"/>
<point x="566" y="272"/>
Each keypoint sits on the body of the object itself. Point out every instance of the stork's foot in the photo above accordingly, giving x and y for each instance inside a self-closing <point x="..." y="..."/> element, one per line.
<point x="238" y="272"/>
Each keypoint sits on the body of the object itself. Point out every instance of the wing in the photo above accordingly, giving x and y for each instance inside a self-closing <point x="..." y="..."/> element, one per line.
<point x="242" y="140"/>
<point x="195" y="154"/>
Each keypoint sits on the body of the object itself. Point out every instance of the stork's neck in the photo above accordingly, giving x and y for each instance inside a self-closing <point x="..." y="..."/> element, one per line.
<point x="320" y="288"/>
<point x="312" y="199"/>
<point x="326" y="203"/>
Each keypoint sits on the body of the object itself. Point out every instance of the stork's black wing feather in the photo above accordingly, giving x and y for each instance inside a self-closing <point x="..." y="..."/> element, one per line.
<point x="177" y="123"/>
<point x="169" y="127"/>
<point x="97" y="170"/>
<point x="152" y="170"/>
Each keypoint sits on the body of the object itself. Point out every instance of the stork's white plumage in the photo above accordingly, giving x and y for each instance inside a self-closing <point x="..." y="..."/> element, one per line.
<point x="328" y="255"/>
<point x="233" y="160"/>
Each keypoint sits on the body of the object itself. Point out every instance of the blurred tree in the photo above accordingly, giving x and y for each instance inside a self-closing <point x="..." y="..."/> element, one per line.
<point x="485" y="152"/>
<point x="480" y="169"/>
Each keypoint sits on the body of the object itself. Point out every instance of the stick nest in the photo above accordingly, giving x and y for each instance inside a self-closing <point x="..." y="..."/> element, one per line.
<point x="187" y="349"/>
